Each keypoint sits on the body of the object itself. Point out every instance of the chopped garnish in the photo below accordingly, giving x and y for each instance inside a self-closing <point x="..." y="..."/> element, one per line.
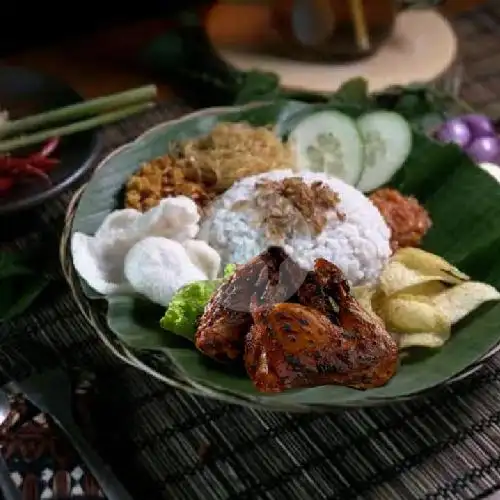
<point x="14" y="170"/>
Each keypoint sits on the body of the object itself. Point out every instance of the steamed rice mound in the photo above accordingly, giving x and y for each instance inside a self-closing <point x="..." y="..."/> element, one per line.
<point x="355" y="236"/>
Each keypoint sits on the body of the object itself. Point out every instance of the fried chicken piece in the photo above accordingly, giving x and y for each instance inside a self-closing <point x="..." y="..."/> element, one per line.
<point x="326" y="339"/>
<point x="271" y="276"/>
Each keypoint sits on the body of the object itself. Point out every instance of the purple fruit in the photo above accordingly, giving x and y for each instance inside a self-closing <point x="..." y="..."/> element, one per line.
<point x="454" y="131"/>
<point x="479" y="125"/>
<point x="484" y="149"/>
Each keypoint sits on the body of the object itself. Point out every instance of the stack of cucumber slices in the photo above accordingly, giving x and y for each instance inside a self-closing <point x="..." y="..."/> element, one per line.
<point x="365" y="153"/>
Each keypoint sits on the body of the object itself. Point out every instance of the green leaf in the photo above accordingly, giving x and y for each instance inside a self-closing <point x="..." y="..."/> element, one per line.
<point x="18" y="293"/>
<point x="464" y="203"/>
<point x="415" y="179"/>
<point x="20" y="284"/>
<point x="461" y="230"/>
<point x="354" y="91"/>
<point x="229" y="270"/>
<point x="480" y="264"/>
<point x="187" y="306"/>
<point x="13" y="264"/>
<point x="304" y="96"/>
<point x="258" y="86"/>
<point x="423" y="106"/>
<point x="135" y="321"/>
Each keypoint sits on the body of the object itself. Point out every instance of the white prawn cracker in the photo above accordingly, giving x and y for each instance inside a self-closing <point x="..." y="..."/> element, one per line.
<point x="175" y="218"/>
<point x="204" y="257"/>
<point x="158" y="267"/>
<point x="99" y="259"/>
<point x="118" y="224"/>
<point x="101" y="275"/>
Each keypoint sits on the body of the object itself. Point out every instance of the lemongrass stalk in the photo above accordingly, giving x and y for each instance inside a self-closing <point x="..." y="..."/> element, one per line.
<point x="73" y="128"/>
<point x="74" y="112"/>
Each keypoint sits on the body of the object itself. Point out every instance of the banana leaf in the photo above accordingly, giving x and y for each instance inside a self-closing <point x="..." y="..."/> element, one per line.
<point x="463" y="201"/>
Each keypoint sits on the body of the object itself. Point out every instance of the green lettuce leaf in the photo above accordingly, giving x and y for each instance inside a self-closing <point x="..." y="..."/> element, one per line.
<point x="188" y="304"/>
<point x="229" y="270"/>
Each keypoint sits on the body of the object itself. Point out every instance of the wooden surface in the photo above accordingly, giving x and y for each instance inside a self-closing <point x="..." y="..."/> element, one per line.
<point x="93" y="67"/>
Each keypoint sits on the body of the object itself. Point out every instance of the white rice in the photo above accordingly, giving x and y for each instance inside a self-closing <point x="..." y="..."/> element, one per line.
<point x="358" y="245"/>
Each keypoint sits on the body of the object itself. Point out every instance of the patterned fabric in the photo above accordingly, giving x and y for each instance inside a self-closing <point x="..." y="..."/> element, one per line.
<point x="165" y="444"/>
<point x="42" y="463"/>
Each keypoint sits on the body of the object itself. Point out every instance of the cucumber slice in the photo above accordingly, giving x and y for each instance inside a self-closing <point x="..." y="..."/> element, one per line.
<point x="329" y="141"/>
<point x="387" y="139"/>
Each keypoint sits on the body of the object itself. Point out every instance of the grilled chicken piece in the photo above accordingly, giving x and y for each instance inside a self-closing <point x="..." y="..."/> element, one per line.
<point x="271" y="276"/>
<point x="326" y="339"/>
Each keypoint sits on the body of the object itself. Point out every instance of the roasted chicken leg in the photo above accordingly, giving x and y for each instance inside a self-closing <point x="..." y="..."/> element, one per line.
<point x="271" y="276"/>
<point x="325" y="339"/>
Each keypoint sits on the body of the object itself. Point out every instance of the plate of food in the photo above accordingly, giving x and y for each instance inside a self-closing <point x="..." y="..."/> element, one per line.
<point x="295" y="256"/>
<point x="49" y="134"/>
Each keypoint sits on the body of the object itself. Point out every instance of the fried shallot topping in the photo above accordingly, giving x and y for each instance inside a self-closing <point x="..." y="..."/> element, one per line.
<point x="290" y="205"/>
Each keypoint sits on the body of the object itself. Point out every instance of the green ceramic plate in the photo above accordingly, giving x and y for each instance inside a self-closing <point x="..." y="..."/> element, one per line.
<point x="464" y="203"/>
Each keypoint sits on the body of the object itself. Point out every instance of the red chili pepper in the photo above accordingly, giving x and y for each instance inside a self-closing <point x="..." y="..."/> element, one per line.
<point x="35" y="172"/>
<point x="45" y="164"/>
<point x="10" y="164"/>
<point x="49" y="147"/>
<point x="35" y="165"/>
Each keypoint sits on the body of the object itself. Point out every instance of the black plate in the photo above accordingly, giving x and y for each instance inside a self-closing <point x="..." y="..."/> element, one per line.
<point x="25" y="92"/>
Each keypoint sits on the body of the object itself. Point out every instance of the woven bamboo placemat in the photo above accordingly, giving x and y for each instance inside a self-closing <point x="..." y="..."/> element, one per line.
<point x="165" y="444"/>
